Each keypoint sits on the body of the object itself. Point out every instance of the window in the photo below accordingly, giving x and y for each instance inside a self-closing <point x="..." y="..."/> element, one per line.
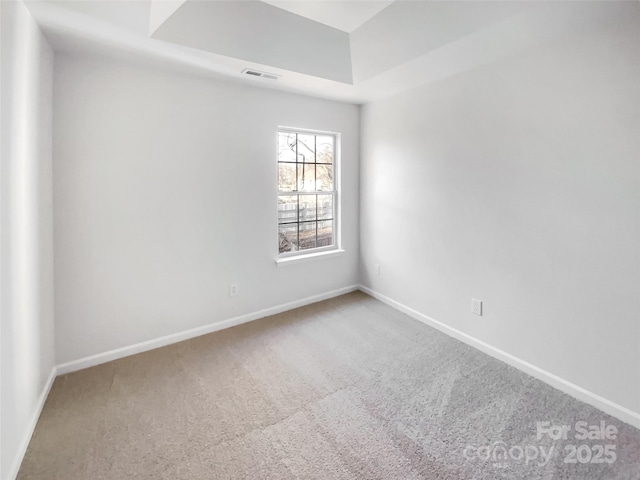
<point x="307" y="194"/>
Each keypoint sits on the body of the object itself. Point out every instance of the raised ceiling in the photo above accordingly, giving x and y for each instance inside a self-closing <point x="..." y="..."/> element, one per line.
<point x="260" y="33"/>
<point x="342" y="15"/>
<point x="354" y="51"/>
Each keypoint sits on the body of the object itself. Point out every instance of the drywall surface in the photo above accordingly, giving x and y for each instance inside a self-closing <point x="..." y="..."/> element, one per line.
<point x="261" y="33"/>
<point x="518" y="183"/>
<point x="27" y="230"/>
<point x="404" y="31"/>
<point x="165" y="193"/>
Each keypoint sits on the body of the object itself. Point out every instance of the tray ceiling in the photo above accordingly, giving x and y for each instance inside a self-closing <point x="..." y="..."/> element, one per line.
<point x="354" y="51"/>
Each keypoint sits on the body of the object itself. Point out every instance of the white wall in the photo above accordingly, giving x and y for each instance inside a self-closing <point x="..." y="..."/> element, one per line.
<point x="27" y="240"/>
<point x="518" y="183"/>
<point x="164" y="188"/>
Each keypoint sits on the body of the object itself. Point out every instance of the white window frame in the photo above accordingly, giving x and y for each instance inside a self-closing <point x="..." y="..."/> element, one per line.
<point x="286" y="258"/>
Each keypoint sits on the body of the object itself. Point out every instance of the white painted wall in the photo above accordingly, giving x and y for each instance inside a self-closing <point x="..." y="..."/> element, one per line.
<point x="518" y="183"/>
<point x="27" y="355"/>
<point x="165" y="193"/>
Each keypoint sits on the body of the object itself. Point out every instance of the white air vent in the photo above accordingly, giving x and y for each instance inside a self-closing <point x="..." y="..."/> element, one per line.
<point x="257" y="73"/>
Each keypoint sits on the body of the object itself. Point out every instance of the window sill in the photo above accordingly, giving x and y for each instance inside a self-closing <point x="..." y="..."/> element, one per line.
<point x="286" y="261"/>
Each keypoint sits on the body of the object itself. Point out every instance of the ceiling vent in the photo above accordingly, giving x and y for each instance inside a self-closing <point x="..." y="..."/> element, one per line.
<point x="257" y="73"/>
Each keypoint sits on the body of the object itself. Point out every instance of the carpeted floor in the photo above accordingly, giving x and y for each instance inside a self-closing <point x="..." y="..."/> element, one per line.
<point x="343" y="389"/>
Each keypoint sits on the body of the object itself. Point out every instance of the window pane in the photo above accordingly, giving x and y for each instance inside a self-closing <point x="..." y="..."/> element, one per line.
<point x="287" y="238"/>
<point x="286" y="147"/>
<point x="307" y="207"/>
<point x="286" y="177"/>
<point x="325" y="149"/>
<point x="306" y="148"/>
<point x="306" y="177"/>
<point x="325" y="233"/>
<point x="306" y="165"/>
<point x="307" y="235"/>
<point x="287" y="208"/>
<point x="325" y="207"/>
<point x="324" y="177"/>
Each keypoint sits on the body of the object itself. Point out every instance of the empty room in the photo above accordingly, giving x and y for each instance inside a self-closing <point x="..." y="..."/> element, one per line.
<point x="287" y="239"/>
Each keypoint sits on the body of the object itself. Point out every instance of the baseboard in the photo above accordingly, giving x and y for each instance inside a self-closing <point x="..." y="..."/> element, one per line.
<point x="13" y="472"/>
<point x="93" y="360"/>
<point x="622" y="413"/>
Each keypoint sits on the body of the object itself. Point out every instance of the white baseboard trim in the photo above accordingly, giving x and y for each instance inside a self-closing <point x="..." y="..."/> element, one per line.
<point x="122" y="352"/>
<point x="622" y="413"/>
<point x="13" y="473"/>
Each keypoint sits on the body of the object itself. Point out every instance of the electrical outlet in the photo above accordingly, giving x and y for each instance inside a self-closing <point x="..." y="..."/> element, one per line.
<point x="476" y="306"/>
<point x="377" y="267"/>
<point x="234" y="290"/>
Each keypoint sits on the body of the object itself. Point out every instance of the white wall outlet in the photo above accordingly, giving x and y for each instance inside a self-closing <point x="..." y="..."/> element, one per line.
<point x="377" y="268"/>
<point x="234" y="290"/>
<point x="476" y="306"/>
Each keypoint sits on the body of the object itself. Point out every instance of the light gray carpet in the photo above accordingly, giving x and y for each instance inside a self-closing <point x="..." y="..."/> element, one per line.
<point x="344" y="389"/>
